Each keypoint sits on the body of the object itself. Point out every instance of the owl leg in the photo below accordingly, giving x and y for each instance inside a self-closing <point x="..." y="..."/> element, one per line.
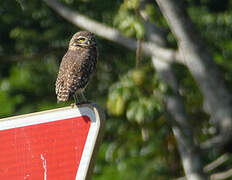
<point x="77" y="96"/>
<point x="83" y="97"/>
<point x="76" y="99"/>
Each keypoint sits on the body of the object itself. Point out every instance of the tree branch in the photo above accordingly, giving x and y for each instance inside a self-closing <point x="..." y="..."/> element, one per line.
<point x="182" y="130"/>
<point x="222" y="175"/>
<point x="217" y="99"/>
<point x="148" y="48"/>
<point x="154" y="33"/>
<point x="220" y="160"/>
<point x="216" y="141"/>
<point x="211" y="166"/>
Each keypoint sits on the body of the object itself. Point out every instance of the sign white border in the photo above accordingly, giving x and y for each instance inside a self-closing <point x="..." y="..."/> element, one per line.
<point x="60" y="114"/>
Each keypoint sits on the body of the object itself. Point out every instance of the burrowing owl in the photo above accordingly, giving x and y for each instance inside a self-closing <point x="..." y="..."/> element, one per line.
<point x="76" y="66"/>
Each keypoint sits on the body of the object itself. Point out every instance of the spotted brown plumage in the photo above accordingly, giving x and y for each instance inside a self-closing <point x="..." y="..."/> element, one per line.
<point x="76" y="66"/>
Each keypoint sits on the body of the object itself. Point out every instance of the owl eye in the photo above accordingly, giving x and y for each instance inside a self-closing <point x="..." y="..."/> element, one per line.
<point x="81" y="39"/>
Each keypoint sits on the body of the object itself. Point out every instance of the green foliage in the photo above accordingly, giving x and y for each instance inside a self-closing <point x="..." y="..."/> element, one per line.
<point x="138" y="142"/>
<point x="127" y="21"/>
<point x="134" y="95"/>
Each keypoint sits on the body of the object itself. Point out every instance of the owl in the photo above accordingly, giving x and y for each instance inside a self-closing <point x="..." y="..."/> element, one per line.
<point x="76" y="67"/>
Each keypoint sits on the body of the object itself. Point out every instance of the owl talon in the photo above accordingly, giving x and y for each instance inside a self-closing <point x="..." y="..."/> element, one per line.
<point x="73" y="105"/>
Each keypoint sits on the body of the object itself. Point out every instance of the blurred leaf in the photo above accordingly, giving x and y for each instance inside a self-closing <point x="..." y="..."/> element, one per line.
<point x="34" y="39"/>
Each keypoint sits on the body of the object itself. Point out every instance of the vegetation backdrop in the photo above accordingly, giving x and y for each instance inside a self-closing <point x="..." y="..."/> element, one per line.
<point x="164" y="79"/>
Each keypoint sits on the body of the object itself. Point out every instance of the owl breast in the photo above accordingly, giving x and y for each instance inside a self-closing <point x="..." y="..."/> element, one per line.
<point x="75" y="70"/>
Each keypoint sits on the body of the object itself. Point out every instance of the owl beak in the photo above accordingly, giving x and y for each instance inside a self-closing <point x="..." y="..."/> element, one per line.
<point x="86" y="43"/>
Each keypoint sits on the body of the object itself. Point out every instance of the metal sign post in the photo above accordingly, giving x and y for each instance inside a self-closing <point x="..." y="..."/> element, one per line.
<point x="56" y="144"/>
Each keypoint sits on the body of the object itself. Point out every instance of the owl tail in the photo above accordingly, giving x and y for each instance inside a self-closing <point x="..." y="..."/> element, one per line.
<point x="62" y="97"/>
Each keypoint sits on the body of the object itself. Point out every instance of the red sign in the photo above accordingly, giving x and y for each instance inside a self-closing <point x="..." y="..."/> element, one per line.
<point x="49" y="145"/>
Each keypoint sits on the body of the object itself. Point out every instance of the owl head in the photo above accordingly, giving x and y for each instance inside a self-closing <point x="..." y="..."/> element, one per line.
<point x="82" y="39"/>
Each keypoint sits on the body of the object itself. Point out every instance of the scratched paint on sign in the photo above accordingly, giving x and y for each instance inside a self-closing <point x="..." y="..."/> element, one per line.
<point x="50" y="150"/>
<point x="44" y="166"/>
